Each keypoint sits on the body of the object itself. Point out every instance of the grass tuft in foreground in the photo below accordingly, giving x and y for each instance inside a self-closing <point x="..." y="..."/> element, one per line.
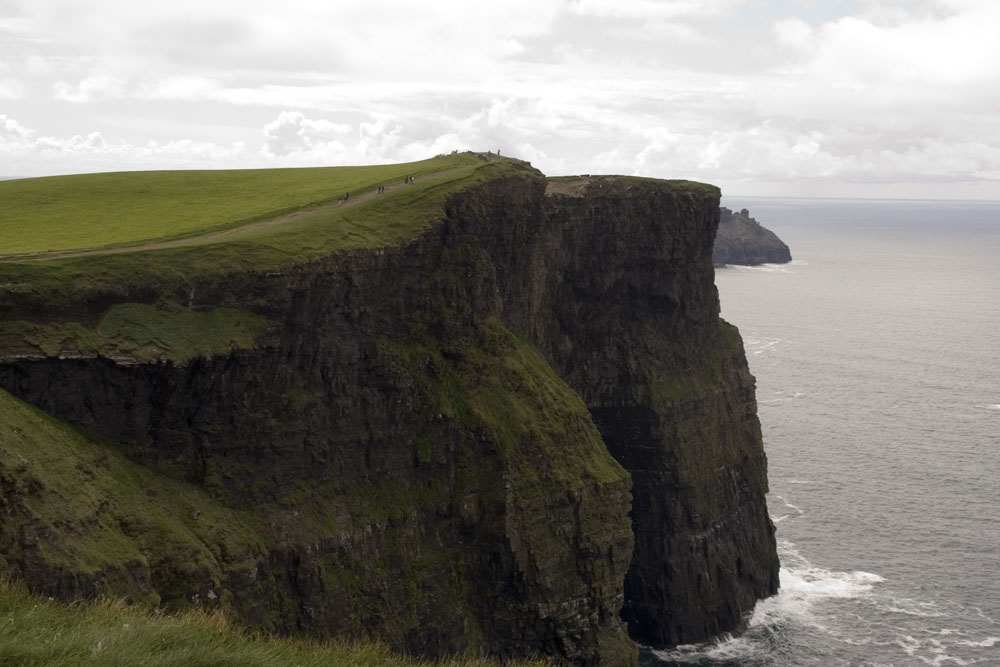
<point x="35" y="631"/>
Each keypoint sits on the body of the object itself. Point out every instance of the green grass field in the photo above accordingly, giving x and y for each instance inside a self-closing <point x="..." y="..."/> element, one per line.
<point x="37" y="632"/>
<point x="49" y="227"/>
<point x="96" y="210"/>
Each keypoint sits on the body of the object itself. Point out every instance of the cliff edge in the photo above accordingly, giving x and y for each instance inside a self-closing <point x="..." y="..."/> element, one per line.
<point x="743" y="240"/>
<point x="518" y="427"/>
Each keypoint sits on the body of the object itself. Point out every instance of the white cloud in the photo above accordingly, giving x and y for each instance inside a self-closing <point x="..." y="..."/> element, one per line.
<point x="89" y="89"/>
<point x="179" y="88"/>
<point x="793" y="32"/>
<point x="29" y="154"/>
<point x="293" y="132"/>
<point x="11" y="131"/>
<point x="652" y="9"/>
<point x="10" y="89"/>
<point x="723" y="90"/>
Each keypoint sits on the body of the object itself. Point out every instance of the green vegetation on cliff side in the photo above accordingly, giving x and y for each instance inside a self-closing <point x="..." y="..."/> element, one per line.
<point x="80" y="519"/>
<point x="137" y="332"/>
<point x="76" y="505"/>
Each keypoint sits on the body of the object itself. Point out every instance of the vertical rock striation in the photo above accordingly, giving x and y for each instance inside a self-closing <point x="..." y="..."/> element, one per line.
<point x="613" y="280"/>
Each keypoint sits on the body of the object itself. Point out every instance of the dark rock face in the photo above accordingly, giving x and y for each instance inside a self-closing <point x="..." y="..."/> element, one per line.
<point x="467" y="500"/>
<point x="624" y="304"/>
<point x="743" y="240"/>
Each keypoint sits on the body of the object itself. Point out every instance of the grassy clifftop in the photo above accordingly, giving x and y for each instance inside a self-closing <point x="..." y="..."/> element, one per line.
<point x="64" y="213"/>
<point x="61" y="237"/>
<point x="71" y="246"/>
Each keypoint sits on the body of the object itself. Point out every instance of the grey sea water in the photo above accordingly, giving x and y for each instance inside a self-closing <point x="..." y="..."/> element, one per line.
<point x="877" y="356"/>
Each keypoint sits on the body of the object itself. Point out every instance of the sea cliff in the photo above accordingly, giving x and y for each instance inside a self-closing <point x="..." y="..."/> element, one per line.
<point x="523" y="431"/>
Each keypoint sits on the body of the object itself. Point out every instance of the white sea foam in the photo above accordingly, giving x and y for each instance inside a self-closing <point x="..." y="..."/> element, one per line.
<point x="982" y="615"/>
<point x="917" y="648"/>
<point x="759" y="346"/>
<point x="795" y="508"/>
<point x="726" y="649"/>
<point x="807" y="585"/>
<point x="803" y="586"/>
<point x="912" y="608"/>
<point x="989" y="642"/>
<point x="803" y="605"/>
<point x="764" y="268"/>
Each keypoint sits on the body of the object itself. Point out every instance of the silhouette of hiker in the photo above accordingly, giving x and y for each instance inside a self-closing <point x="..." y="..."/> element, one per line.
<point x="347" y="195"/>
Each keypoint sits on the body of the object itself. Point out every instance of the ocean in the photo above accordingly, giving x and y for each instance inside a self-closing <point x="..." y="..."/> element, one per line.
<point x="877" y="357"/>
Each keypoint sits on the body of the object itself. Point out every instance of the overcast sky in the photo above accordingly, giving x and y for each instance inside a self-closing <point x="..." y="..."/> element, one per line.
<point x="766" y="97"/>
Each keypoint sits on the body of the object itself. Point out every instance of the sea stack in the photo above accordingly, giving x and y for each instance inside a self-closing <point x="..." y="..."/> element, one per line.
<point x="743" y="240"/>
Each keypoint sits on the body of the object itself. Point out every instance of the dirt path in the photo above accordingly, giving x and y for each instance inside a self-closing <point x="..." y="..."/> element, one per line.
<point x="230" y="233"/>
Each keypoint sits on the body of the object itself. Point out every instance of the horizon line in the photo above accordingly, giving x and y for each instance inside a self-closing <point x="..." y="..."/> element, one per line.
<point x="848" y="198"/>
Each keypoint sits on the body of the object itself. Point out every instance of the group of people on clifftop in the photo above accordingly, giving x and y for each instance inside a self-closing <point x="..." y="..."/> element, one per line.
<point x="380" y="189"/>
